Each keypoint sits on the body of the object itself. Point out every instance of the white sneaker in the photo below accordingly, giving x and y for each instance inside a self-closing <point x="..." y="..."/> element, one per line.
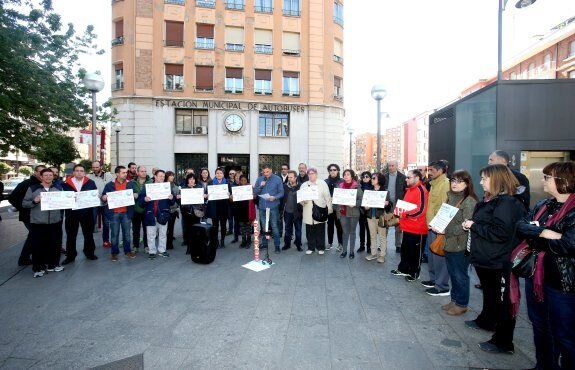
<point x="308" y="252"/>
<point x="328" y="247"/>
<point x="38" y="274"/>
<point x="320" y="253"/>
<point x="55" y="269"/>
<point x="339" y="248"/>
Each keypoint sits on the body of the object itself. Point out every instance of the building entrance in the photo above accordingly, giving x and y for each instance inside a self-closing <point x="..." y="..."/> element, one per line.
<point x="238" y="162"/>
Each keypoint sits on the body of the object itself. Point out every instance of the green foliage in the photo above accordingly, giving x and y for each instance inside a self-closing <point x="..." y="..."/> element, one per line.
<point x="25" y="170"/>
<point x="40" y="79"/>
<point x="56" y="149"/>
<point x="87" y="164"/>
<point x="5" y="168"/>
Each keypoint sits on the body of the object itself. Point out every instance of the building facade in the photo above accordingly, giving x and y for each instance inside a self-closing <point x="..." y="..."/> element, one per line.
<point x="235" y="83"/>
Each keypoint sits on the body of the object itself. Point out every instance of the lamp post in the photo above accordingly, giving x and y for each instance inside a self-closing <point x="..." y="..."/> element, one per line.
<point x="117" y="128"/>
<point x="520" y="4"/>
<point x="350" y="132"/>
<point x="94" y="83"/>
<point x="378" y="92"/>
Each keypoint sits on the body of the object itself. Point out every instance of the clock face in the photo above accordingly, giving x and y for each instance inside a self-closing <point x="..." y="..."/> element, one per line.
<point x="234" y="123"/>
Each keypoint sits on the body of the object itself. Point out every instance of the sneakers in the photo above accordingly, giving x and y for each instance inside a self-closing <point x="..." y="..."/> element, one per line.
<point x="107" y="245"/>
<point x="370" y="257"/>
<point x="398" y="273"/>
<point x="309" y="251"/>
<point x="38" y="274"/>
<point x="152" y="256"/>
<point x="131" y="255"/>
<point x="55" y="269"/>
<point x="428" y="283"/>
<point x="380" y="259"/>
<point x="321" y="253"/>
<point x="164" y="254"/>
<point x="114" y="258"/>
<point x="339" y="248"/>
<point x="437" y="293"/>
<point x="412" y="278"/>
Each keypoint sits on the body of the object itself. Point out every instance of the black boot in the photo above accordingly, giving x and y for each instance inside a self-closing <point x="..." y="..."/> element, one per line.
<point x="235" y="239"/>
<point x="243" y="244"/>
<point x="361" y="248"/>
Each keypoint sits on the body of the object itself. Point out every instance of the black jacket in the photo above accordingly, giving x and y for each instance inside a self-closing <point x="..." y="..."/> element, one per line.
<point x="400" y="185"/>
<point x="524" y="196"/>
<point x="559" y="261"/>
<point x="332" y="183"/>
<point x="290" y="195"/>
<point x="17" y="196"/>
<point x="493" y="231"/>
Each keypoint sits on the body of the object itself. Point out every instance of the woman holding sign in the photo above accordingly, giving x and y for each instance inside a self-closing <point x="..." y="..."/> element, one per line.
<point x="218" y="208"/>
<point x="463" y="197"/>
<point x="315" y="229"/>
<point x="348" y="213"/>
<point x="373" y="216"/>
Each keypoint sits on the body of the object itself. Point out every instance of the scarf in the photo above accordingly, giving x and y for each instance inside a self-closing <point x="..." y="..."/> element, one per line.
<point x="538" y="280"/>
<point x="345" y="185"/>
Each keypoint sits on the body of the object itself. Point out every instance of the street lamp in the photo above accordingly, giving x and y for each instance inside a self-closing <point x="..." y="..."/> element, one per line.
<point x="520" y="4"/>
<point x="378" y="92"/>
<point x="94" y="83"/>
<point x="117" y="128"/>
<point x="350" y="132"/>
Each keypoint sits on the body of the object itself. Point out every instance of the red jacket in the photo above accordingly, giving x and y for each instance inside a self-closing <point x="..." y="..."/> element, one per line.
<point x="414" y="221"/>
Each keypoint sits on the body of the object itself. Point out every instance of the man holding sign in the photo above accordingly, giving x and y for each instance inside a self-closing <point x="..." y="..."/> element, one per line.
<point x="76" y="218"/>
<point x="120" y="217"/>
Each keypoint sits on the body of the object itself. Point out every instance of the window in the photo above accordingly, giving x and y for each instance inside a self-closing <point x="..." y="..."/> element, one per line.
<point x="338" y="13"/>
<point x="291" y="43"/>
<point x="273" y="124"/>
<point x="119" y="76"/>
<point x="572" y="74"/>
<point x="234" y="39"/>
<point x="235" y="4"/>
<point x="531" y="70"/>
<point x="204" y="36"/>
<point x="572" y="49"/>
<point x="263" y="82"/>
<point x="206" y="3"/>
<point x="337" y="51"/>
<point x="291" y="8"/>
<point x="174" y="34"/>
<point x="264" y="6"/>
<point x="547" y="61"/>
<point x="204" y="78"/>
<point x="176" y="2"/>
<point x="290" y="84"/>
<point x="191" y="122"/>
<point x="174" y="77"/>
<point x="263" y="39"/>
<point x="234" y="80"/>
<point x="513" y="76"/>
<point x="338" y="87"/>
<point x="119" y="33"/>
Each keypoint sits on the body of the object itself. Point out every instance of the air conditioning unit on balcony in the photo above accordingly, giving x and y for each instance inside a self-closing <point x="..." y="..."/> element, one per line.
<point x="201" y="130"/>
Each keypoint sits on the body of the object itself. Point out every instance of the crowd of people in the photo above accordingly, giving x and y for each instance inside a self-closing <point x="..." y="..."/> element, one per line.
<point x="483" y="232"/>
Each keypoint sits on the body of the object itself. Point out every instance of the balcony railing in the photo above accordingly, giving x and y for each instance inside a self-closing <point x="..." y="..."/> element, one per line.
<point x="338" y="20"/>
<point x="175" y="2"/>
<point x="263" y="49"/>
<point x="264" y="9"/>
<point x="234" y="6"/>
<point x="203" y="88"/>
<point x="118" y="41"/>
<point x="259" y="91"/>
<point x="291" y="52"/>
<point x="119" y="85"/>
<point x="206" y="3"/>
<point x="290" y="93"/>
<point x="234" y="47"/>
<point x="338" y="59"/>
<point x="292" y="12"/>
<point x="202" y="43"/>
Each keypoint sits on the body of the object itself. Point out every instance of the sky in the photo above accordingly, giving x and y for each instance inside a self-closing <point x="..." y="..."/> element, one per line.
<point x="424" y="52"/>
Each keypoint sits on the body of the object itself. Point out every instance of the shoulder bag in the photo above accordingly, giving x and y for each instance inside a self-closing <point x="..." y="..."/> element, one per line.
<point x="318" y="214"/>
<point x="437" y="245"/>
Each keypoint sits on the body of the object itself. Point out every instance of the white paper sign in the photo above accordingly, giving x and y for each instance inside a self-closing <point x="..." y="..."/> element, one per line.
<point x="122" y="198"/>
<point x="192" y="196"/>
<point x="374" y="199"/>
<point x="216" y="192"/>
<point x="307" y="193"/>
<point x="158" y="191"/>
<point x="405" y="206"/>
<point x="443" y="217"/>
<point x="344" y="197"/>
<point x="87" y="199"/>
<point x="53" y="200"/>
<point x="244" y="192"/>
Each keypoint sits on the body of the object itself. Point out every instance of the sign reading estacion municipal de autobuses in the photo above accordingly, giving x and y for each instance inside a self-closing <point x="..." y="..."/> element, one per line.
<point x="228" y="105"/>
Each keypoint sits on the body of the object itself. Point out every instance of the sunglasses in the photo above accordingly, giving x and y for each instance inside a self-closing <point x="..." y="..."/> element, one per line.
<point x="366" y="176"/>
<point x="333" y="170"/>
<point x="232" y="173"/>
<point x="374" y="178"/>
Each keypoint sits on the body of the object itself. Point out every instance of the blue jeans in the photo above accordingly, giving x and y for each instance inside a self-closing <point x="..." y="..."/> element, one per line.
<point x="458" y="268"/>
<point x="553" y="321"/>
<point x="274" y="223"/>
<point x="290" y="223"/>
<point x="120" y="219"/>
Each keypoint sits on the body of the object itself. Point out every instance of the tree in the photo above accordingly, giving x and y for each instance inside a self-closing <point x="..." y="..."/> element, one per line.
<point x="40" y="80"/>
<point x="87" y="164"/>
<point x="25" y="170"/>
<point x="56" y="149"/>
<point x="4" y="168"/>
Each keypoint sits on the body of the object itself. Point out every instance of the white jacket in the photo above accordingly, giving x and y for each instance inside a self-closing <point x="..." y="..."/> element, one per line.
<point x="324" y="200"/>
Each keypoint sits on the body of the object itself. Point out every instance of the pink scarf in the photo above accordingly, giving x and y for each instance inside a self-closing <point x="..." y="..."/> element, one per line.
<point x="514" y="291"/>
<point x="344" y="185"/>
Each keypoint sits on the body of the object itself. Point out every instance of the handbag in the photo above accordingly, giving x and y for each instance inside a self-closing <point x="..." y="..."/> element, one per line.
<point x="318" y="214"/>
<point x="198" y="211"/>
<point x="164" y="216"/>
<point x="437" y="245"/>
<point x="388" y="219"/>
<point x="524" y="260"/>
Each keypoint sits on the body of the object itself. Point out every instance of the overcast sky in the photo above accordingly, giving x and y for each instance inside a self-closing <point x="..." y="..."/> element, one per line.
<point x="425" y="52"/>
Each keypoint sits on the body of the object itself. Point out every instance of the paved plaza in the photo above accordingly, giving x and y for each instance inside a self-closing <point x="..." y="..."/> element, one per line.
<point x="306" y="312"/>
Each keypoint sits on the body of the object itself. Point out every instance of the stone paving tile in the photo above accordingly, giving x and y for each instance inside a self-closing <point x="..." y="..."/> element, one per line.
<point x="161" y="358"/>
<point x="405" y="355"/>
<point x="17" y="363"/>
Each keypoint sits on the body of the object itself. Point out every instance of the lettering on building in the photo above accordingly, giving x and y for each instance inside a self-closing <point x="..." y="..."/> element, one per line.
<point x="226" y="105"/>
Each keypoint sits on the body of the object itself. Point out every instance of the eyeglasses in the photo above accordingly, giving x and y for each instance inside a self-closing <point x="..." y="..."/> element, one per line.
<point x="456" y="181"/>
<point x="333" y="170"/>
<point x="547" y="177"/>
<point x="374" y="178"/>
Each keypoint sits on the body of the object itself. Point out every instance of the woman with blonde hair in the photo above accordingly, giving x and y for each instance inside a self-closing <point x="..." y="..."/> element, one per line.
<point x="492" y="239"/>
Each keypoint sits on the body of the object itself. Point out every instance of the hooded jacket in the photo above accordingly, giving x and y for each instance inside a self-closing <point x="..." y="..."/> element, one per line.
<point x="414" y="221"/>
<point x="87" y="184"/>
<point x="37" y="216"/>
